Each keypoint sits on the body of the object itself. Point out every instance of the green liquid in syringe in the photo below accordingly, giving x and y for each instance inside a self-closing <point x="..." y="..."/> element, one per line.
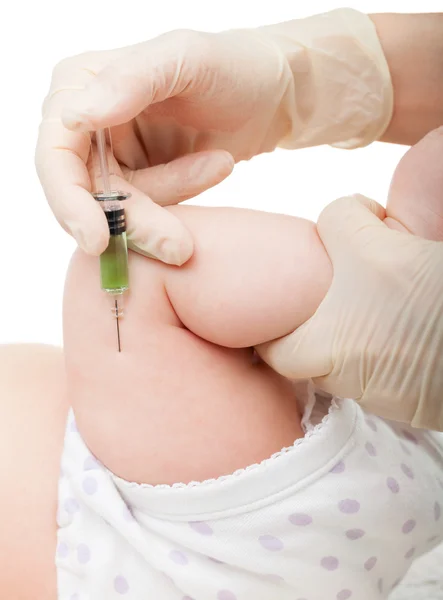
<point x="114" y="264"/>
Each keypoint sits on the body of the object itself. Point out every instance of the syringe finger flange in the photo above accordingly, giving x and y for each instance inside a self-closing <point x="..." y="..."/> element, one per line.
<point x="116" y="195"/>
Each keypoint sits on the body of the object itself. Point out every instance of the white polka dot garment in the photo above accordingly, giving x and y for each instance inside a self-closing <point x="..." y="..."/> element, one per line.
<point x="340" y="515"/>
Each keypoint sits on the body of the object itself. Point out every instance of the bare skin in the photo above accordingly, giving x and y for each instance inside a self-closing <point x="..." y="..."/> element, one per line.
<point x="413" y="46"/>
<point x="217" y="409"/>
<point x="209" y="410"/>
<point x="33" y="413"/>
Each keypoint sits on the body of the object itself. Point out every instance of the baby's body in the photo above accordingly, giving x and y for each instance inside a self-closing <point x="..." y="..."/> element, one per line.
<point x="194" y="400"/>
<point x="195" y="410"/>
<point x="175" y="406"/>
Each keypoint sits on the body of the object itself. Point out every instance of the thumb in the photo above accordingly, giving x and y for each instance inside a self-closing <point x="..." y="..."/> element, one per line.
<point x="348" y="221"/>
<point x="142" y="75"/>
<point x="305" y="353"/>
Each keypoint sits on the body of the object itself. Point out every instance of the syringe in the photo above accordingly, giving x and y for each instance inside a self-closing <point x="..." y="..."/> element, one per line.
<point x="114" y="272"/>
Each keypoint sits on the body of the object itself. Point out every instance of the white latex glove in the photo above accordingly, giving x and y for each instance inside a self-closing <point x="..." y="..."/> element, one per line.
<point x="378" y="334"/>
<point x="183" y="107"/>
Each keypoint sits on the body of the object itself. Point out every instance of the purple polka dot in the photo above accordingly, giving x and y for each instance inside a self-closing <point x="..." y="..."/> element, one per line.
<point x="380" y="585"/>
<point x="370" y="563"/>
<point x="121" y="586"/>
<point x="410" y="436"/>
<point x="393" y="485"/>
<point x="437" y="511"/>
<point x="344" y="595"/>
<point x="62" y="550"/>
<point x="410" y="553"/>
<point x="269" y="542"/>
<point x="300" y="519"/>
<point x="179" y="558"/>
<point x="408" y="526"/>
<point x="226" y="595"/>
<point x="407" y="471"/>
<point x="201" y="527"/>
<point x="330" y="563"/>
<point x="348" y="506"/>
<point x="355" y="534"/>
<point x="370" y="449"/>
<point x="83" y="554"/>
<point x="90" y="486"/>
<point x="370" y="423"/>
<point x="405" y="448"/>
<point x="90" y="464"/>
<point x="339" y="467"/>
<point x="71" y="506"/>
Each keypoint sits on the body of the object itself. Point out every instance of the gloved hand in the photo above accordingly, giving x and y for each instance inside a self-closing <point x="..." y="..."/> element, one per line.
<point x="185" y="106"/>
<point x="378" y="334"/>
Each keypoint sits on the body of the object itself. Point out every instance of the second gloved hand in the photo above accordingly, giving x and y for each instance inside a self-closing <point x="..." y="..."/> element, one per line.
<point x="378" y="334"/>
<point x="184" y="106"/>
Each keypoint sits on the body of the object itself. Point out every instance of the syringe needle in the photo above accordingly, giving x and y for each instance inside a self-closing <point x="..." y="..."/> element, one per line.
<point x="117" y="319"/>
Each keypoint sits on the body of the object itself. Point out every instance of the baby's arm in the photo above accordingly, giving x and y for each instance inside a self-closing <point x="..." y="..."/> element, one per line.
<point x="176" y="407"/>
<point x="172" y="406"/>
<point x="254" y="276"/>
<point x="415" y="200"/>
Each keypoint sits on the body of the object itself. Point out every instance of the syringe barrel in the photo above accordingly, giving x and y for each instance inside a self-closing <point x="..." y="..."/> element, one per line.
<point x="114" y="270"/>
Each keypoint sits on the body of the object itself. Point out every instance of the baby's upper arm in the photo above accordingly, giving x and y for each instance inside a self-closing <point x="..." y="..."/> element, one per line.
<point x="173" y="406"/>
<point x="254" y="277"/>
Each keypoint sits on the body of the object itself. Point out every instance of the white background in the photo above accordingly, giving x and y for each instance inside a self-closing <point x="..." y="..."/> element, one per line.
<point x="34" y="250"/>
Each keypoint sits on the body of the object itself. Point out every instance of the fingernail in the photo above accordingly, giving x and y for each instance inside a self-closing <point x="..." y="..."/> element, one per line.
<point x="166" y="251"/>
<point x="136" y="248"/>
<point x="169" y="251"/>
<point x="74" y="120"/>
<point x="200" y="167"/>
<point x="176" y="252"/>
<point x="230" y="161"/>
<point x="206" y="167"/>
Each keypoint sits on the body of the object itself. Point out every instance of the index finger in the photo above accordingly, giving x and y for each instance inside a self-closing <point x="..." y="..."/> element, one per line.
<point x="65" y="180"/>
<point x="350" y="220"/>
<point x="61" y="161"/>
